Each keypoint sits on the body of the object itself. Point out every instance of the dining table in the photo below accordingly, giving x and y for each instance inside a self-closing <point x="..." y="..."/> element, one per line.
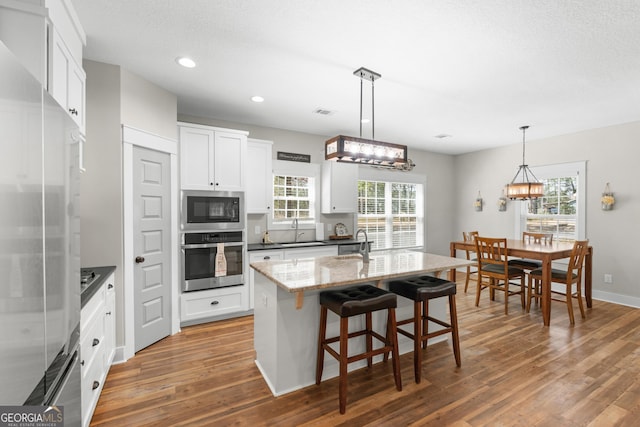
<point x="546" y="253"/>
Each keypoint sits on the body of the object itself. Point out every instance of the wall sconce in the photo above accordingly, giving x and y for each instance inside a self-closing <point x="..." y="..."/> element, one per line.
<point x="478" y="203"/>
<point x="607" y="200"/>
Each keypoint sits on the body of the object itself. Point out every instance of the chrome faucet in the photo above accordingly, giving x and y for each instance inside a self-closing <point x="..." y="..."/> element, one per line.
<point x="295" y="225"/>
<point x="364" y="246"/>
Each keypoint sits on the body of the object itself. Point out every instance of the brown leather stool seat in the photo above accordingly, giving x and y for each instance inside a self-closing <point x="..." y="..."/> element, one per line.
<point x="357" y="300"/>
<point x="421" y="290"/>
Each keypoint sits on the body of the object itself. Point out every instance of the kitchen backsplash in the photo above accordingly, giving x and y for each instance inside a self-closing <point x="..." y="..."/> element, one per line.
<point x="259" y="222"/>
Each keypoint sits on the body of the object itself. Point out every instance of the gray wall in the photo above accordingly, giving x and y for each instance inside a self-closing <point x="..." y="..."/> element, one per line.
<point x="611" y="154"/>
<point x="114" y="97"/>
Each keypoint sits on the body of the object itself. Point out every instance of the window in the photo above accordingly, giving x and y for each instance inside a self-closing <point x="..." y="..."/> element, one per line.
<point x="294" y="194"/>
<point x="291" y="197"/>
<point x="561" y="209"/>
<point x="391" y="213"/>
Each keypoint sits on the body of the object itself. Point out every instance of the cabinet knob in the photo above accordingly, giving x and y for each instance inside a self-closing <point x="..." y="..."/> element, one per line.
<point x="73" y="111"/>
<point x="211" y="183"/>
<point x="108" y="313"/>
<point x="96" y="341"/>
<point x="139" y="259"/>
<point x="217" y="183"/>
<point x="215" y="302"/>
<point x="109" y="286"/>
<point x="267" y="257"/>
<point x="95" y="385"/>
<point x="82" y="362"/>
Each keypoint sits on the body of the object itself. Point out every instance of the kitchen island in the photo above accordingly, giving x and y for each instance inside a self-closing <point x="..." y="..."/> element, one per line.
<point x="286" y="313"/>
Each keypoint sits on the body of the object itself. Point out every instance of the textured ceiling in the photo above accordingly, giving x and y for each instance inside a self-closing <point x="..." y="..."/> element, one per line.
<point x="475" y="70"/>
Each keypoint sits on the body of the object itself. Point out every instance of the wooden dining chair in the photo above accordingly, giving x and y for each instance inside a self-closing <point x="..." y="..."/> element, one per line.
<point x="494" y="271"/>
<point x="572" y="275"/>
<point x="534" y="238"/>
<point x="469" y="236"/>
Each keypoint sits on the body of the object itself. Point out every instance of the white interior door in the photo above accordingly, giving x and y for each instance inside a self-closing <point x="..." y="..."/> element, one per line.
<point x="151" y="243"/>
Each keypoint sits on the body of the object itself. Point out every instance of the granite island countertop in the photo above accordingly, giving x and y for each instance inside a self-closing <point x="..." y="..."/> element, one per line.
<point x="302" y="274"/>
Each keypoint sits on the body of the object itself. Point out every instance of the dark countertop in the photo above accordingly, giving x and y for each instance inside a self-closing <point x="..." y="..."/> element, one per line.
<point x="279" y="246"/>
<point x="104" y="272"/>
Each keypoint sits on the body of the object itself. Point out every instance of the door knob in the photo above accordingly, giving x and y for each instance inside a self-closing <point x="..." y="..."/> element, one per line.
<point x="139" y="259"/>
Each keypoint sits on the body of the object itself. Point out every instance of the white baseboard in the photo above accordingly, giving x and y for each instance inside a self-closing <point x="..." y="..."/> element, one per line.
<point x="616" y="298"/>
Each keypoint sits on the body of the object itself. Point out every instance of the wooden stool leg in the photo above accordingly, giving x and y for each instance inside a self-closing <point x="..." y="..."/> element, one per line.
<point x="391" y="320"/>
<point x="417" y="341"/>
<point x="425" y="322"/>
<point x="344" y="338"/>
<point x="454" y="329"/>
<point x="369" y="338"/>
<point x="321" y="338"/>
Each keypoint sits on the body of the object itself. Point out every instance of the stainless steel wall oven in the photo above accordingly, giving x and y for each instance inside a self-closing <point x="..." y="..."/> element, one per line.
<point x="199" y="252"/>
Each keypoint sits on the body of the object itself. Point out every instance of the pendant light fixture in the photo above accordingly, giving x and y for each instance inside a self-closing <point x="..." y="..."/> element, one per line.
<point x="528" y="186"/>
<point x="350" y="149"/>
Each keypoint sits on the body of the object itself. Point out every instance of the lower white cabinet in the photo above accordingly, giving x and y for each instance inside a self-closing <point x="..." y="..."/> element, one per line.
<point x="256" y="256"/>
<point x="97" y="345"/>
<point x="211" y="303"/>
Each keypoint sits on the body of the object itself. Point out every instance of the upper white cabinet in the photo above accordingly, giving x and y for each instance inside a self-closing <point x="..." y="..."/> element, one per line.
<point x="67" y="80"/>
<point x="212" y="158"/>
<point x="259" y="191"/>
<point x="339" y="187"/>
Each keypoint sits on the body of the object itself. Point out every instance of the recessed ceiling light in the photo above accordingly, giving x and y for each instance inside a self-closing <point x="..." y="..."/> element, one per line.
<point x="257" y="98"/>
<point x="186" y="62"/>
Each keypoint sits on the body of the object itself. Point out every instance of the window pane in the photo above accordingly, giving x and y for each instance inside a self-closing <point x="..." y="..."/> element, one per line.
<point x="292" y="197"/>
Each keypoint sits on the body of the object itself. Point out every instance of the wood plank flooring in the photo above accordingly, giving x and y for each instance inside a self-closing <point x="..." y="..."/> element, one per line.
<point x="515" y="372"/>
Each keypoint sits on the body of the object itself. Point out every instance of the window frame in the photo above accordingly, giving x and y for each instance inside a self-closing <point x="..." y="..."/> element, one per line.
<point x="559" y="170"/>
<point x="391" y="177"/>
<point x="310" y="170"/>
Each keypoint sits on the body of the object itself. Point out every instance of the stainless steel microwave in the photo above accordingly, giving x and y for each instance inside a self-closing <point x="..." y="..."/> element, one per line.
<point x="212" y="210"/>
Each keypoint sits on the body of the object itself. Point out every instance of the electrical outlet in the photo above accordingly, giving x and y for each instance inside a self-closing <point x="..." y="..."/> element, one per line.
<point x="264" y="300"/>
<point x="256" y="229"/>
<point x="608" y="278"/>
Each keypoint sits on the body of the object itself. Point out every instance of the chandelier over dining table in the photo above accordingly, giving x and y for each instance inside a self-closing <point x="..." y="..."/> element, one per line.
<point x="524" y="185"/>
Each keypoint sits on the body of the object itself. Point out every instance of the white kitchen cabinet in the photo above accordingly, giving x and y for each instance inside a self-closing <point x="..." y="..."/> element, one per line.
<point x="67" y="79"/>
<point x="311" y="252"/>
<point x="259" y="180"/>
<point x="339" y="187"/>
<point x="204" y="305"/>
<point x="97" y="345"/>
<point x="212" y="158"/>
<point x="256" y="256"/>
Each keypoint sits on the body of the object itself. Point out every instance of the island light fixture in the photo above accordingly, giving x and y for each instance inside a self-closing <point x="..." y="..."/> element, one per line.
<point x="528" y="186"/>
<point x="350" y="149"/>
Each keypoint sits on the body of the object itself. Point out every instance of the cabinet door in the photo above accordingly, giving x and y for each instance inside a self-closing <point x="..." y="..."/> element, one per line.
<point x="259" y="190"/>
<point x="196" y="154"/>
<point x="109" y="322"/>
<point x="76" y="95"/>
<point x="67" y="81"/>
<point x="228" y="160"/>
<point x="339" y="187"/>
<point x="255" y="257"/>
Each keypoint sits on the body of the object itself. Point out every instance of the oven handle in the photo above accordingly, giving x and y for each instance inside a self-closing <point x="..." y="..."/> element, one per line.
<point x="211" y="245"/>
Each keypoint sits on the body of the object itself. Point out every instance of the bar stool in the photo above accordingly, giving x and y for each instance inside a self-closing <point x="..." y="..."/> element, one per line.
<point x="362" y="299"/>
<point x="421" y="290"/>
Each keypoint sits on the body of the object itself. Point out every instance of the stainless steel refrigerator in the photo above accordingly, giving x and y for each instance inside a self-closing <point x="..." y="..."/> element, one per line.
<point x="39" y="246"/>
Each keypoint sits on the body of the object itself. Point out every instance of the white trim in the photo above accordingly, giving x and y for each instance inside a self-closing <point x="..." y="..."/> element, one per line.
<point x="613" y="298"/>
<point x="215" y="129"/>
<point x="135" y="137"/>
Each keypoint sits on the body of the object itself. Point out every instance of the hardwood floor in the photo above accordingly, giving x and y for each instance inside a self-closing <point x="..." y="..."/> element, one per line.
<point x="515" y="372"/>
